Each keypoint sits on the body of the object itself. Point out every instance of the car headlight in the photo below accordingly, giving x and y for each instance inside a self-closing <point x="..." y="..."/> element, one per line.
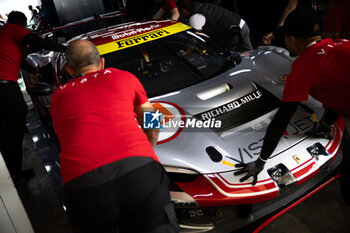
<point x="171" y="169"/>
<point x="177" y="174"/>
<point x="316" y="149"/>
<point x="178" y="196"/>
<point x="281" y="175"/>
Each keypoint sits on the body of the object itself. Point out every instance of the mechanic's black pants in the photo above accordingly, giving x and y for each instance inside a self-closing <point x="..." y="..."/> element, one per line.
<point x="13" y="112"/>
<point x="137" y="202"/>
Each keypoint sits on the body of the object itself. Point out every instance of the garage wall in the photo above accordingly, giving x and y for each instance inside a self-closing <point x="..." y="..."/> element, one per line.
<point x="71" y="10"/>
<point x="13" y="217"/>
<point x="6" y="6"/>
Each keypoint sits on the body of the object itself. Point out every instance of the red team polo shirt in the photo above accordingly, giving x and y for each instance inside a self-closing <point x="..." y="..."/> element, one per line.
<point x="94" y="118"/>
<point x="322" y="71"/>
<point x="337" y="19"/>
<point x="12" y="50"/>
<point x="169" y="5"/>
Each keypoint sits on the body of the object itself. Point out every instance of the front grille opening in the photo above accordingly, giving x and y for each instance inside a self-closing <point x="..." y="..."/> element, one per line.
<point x="181" y="177"/>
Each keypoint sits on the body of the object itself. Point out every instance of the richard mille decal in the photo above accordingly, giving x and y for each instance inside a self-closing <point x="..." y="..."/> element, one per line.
<point x="231" y="105"/>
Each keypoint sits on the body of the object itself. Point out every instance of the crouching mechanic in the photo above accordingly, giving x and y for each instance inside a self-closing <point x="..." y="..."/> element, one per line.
<point x="321" y="71"/>
<point x="113" y="181"/>
<point x="224" y="26"/>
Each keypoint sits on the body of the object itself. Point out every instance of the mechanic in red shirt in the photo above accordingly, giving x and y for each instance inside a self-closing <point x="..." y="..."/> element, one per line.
<point x="321" y="71"/>
<point x="168" y="6"/>
<point x="112" y="177"/>
<point x="15" y="38"/>
<point x="337" y="20"/>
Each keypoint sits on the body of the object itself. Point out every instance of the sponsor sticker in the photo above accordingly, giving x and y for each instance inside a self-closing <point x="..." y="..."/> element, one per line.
<point x="123" y="43"/>
<point x="231" y="105"/>
<point x="297" y="158"/>
<point x="224" y="162"/>
<point x="171" y="120"/>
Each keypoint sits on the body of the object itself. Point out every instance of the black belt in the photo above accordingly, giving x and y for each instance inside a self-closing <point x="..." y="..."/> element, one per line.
<point x="5" y="81"/>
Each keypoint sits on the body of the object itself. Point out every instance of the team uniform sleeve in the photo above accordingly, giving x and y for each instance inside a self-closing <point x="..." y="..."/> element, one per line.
<point x="277" y="127"/>
<point x="140" y="93"/>
<point x="169" y="5"/>
<point x="333" y="19"/>
<point x="20" y="33"/>
<point x="40" y="43"/>
<point x="298" y="84"/>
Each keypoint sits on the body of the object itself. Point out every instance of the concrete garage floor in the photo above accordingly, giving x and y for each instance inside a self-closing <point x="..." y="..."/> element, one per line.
<point x="323" y="212"/>
<point x="38" y="196"/>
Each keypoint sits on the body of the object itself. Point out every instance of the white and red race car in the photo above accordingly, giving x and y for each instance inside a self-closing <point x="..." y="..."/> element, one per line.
<point x="214" y="108"/>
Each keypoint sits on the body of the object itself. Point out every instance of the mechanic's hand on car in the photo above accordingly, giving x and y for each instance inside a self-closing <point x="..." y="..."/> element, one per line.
<point x="268" y="38"/>
<point x="182" y="52"/>
<point x="252" y="169"/>
<point x="321" y="129"/>
<point x="284" y="77"/>
<point x="37" y="73"/>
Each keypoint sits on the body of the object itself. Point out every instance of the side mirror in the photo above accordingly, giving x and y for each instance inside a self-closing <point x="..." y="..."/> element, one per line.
<point x="39" y="90"/>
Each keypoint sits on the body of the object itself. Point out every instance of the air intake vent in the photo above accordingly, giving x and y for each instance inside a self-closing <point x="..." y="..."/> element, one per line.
<point x="214" y="91"/>
<point x="214" y="155"/>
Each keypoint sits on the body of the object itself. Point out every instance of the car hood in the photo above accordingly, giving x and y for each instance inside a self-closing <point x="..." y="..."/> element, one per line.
<point x="245" y="100"/>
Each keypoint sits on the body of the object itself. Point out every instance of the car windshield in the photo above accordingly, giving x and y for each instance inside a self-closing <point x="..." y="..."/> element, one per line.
<point x="171" y="63"/>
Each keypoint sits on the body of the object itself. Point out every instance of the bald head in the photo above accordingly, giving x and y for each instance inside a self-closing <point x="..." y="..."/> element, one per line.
<point x="82" y="55"/>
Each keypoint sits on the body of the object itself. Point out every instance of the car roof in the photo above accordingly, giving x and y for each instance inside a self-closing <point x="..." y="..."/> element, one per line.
<point x="123" y="36"/>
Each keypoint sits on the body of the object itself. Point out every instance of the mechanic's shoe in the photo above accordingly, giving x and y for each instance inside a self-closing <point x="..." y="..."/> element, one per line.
<point x="320" y="129"/>
<point x="22" y="177"/>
